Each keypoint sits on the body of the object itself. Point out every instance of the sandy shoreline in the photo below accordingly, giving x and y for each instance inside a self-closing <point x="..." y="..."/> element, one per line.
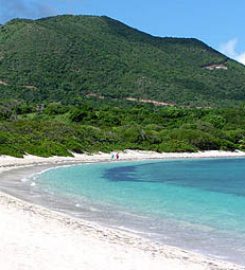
<point x="39" y="238"/>
<point x="7" y="162"/>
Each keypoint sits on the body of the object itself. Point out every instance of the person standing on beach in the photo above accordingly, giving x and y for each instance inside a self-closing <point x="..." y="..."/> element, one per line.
<point x="112" y="156"/>
<point x="117" y="156"/>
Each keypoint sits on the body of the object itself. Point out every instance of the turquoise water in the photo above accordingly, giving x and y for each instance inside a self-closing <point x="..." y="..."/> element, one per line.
<point x="194" y="204"/>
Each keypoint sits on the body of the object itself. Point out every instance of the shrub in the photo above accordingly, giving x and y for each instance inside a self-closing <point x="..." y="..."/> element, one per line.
<point x="175" y="146"/>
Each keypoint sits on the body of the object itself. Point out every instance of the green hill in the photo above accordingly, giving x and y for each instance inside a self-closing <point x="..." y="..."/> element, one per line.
<point x="64" y="58"/>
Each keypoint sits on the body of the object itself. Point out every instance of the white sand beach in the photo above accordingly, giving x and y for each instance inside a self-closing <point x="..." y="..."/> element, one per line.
<point x="32" y="237"/>
<point x="7" y="162"/>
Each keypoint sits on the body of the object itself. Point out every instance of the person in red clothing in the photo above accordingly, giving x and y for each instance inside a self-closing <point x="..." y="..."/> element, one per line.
<point x="117" y="156"/>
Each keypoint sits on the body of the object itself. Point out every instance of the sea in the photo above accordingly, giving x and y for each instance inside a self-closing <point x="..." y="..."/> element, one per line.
<point x="194" y="204"/>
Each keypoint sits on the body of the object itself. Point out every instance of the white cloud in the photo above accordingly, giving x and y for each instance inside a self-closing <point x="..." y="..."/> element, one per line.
<point x="241" y="58"/>
<point x="229" y="49"/>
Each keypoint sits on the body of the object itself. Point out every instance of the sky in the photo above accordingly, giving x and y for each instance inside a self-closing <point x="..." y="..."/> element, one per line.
<point x="219" y="23"/>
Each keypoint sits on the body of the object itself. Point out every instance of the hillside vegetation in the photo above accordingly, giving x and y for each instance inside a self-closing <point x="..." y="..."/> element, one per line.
<point x="94" y="126"/>
<point x="88" y="84"/>
<point x="64" y="58"/>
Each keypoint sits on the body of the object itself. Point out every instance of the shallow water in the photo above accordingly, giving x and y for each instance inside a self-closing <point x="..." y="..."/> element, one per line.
<point x="193" y="204"/>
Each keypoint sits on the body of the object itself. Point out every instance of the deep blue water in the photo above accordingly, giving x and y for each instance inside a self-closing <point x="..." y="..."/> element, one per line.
<point x="194" y="204"/>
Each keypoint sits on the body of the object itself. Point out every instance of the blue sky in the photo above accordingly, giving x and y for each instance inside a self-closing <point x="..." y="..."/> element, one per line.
<point x="220" y="23"/>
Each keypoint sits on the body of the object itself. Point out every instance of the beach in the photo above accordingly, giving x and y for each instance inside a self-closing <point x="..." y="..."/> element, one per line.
<point x="33" y="237"/>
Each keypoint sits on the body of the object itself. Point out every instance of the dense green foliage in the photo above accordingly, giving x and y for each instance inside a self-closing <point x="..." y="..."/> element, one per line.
<point x="50" y="67"/>
<point x="93" y="126"/>
<point x="66" y="57"/>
